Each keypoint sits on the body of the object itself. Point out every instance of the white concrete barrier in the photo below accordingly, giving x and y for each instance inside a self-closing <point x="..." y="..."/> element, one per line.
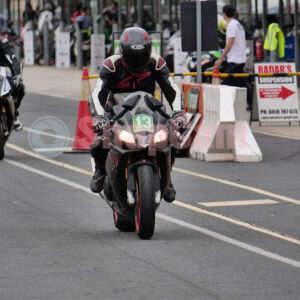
<point x="224" y="134"/>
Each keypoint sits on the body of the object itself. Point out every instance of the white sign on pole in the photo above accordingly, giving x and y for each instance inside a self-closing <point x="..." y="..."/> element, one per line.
<point x="28" y="48"/>
<point x="97" y="52"/>
<point x="180" y="61"/>
<point x="62" y="54"/>
<point x="277" y="96"/>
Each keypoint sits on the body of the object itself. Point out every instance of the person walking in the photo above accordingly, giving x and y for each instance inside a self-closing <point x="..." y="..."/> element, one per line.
<point x="235" y="51"/>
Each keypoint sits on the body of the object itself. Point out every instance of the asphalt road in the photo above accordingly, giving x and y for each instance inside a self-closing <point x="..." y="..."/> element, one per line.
<point x="57" y="239"/>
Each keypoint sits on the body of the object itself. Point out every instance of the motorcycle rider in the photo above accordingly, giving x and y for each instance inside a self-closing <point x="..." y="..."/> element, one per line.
<point x="134" y="69"/>
<point x="9" y="59"/>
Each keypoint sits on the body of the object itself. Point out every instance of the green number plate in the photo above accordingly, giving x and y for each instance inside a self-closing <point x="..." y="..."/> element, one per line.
<point x="143" y="123"/>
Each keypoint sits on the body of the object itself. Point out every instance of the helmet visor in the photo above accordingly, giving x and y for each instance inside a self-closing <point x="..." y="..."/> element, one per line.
<point x="136" y="60"/>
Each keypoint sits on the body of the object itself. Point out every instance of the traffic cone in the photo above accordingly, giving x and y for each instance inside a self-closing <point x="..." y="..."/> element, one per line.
<point x="84" y="128"/>
<point x="216" y="79"/>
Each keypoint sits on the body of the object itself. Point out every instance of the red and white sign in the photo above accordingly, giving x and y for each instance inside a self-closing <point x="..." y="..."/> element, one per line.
<point x="277" y="96"/>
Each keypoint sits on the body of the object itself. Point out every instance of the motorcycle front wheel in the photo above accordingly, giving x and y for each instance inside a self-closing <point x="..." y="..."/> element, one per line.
<point x="145" y="202"/>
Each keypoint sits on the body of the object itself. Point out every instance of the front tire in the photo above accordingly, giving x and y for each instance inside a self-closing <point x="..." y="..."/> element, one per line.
<point x="145" y="202"/>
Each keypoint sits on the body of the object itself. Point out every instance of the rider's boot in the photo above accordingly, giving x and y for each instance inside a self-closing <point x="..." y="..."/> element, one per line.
<point x="97" y="181"/>
<point x="18" y="126"/>
<point x="170" y="194"/>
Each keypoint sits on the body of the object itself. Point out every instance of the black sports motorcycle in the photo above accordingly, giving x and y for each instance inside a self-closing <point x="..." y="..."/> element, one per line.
<point x="7" y="110"/>
<point x="138" y="165"/>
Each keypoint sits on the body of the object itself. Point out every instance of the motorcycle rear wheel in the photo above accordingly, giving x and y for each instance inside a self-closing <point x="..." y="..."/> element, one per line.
<point x="2" y="142"/>
<point x="145" y="203"/>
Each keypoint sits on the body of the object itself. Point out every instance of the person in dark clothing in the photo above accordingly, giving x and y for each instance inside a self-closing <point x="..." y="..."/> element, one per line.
<point x="29" y="14"/>
<point x="135" y="69"/>
<point x="110" y="15"/>
<point x="9" y="59"/>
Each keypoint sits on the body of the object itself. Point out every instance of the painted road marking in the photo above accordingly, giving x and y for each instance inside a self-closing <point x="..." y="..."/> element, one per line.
<point x="275" y="134"/>
<point x="53" y="149"/>
<point x="196" y="209"/>
<point x="238" y="222"/>
<point x="227" y="182"/>
<point x="237" y="185"/>
<point x="48" y="134"/>
<point x="50" y="161"/>
<point x="183" y="171"/>
<point x="238" y="203"/>
<point x="179" y="222"/>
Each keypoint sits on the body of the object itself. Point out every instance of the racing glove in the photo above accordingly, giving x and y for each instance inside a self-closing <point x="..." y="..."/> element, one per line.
<point x="99" y="123"/>
<point x="180" y="121"/>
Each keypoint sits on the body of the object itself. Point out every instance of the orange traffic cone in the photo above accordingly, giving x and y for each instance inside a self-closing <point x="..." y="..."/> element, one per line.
<point x="84" y="128"/>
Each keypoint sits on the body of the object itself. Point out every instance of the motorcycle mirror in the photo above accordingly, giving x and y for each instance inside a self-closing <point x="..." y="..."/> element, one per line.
<point x="130" y="103"/>
<point x="153" y="103"/>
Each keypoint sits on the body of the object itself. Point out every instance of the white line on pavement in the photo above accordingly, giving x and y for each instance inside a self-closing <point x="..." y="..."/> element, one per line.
<point x="48" y="134"/>
<point x="182" y="204"/>
<point x="205" y="231"/>
<point x="238" y="203"/>
<point x="231" y="241"/>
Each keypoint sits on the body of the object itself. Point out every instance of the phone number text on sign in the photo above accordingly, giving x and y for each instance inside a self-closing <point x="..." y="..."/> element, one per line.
<point x="277" y="96"/>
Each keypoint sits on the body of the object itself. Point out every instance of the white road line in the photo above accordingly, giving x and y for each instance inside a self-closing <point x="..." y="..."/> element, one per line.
<point x="48" y="134"/>
<point x="231" y="241"/>
<point x="205" y="231"/>
<point x="276" y="134"/>
<point x="178" y="203"/>
<point x="238" y="203"/>
<point x="238" y="185"/>
<point x="53" y="149"/>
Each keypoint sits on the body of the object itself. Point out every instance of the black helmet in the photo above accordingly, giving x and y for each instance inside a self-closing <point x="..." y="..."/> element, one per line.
<point x="135" y="47"/>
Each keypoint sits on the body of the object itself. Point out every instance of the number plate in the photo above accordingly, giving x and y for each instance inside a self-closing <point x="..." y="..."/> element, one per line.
<point x="143" y="123"/>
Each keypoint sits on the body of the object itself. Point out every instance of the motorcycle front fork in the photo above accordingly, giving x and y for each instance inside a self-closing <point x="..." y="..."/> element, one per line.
<point x="3" y="119"/>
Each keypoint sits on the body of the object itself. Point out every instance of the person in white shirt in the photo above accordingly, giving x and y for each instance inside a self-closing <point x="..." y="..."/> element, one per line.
<point x="235" y="51"/>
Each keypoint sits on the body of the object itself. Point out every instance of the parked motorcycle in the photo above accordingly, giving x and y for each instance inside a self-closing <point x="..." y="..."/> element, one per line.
<point x="208" y="60"/>
<point x="138" y="166"/>
<point x="7" y="110"/>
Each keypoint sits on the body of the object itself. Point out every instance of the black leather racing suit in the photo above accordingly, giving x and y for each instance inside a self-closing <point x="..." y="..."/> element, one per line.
<point x="9" y="59"/>
<point x="115" y="78"/>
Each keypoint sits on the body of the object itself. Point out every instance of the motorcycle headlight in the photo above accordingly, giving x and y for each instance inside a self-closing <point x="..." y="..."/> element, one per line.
<point x="160" y="136"/>
<point x="126" y="137"/>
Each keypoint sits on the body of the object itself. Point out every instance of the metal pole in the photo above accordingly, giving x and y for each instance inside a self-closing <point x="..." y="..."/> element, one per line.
<point x="63" y="16"/>
<point x="154" y="10"/>
<point x="128" y="10"/>
<point x="176" y="12"/>
<point x="169" y="9"/>
<point x="46" y="43"/>
<point x="256" y="14"/>
<point x="18" y="23"/>
<point x="140" y="16"/>
<point x="265" y="9"/>
<point x="8" y="9"/>
<point x="288" y="6"/>
<point x="249" y="13"/>
<point x="281" y="11"/>
<point x="101" y="7"/>
<point x="119" y="15"/>
<point x="199" y="41"/>
<point x="297" y="48"/>
<point x="79" y="62"/>
<point x="159" y="16"/>
<point x="94" y="11"/>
